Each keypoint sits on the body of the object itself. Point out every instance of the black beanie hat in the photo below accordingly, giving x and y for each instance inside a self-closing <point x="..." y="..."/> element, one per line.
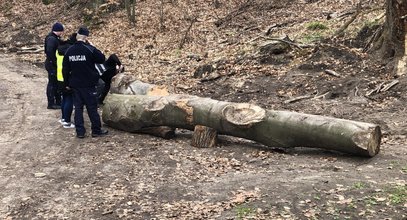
<point x="83" y="31"/>
<point x="57" y="27"/>
<point x="72" y="38"/>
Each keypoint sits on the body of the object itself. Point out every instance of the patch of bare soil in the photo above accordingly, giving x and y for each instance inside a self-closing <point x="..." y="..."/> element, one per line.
<point x="47" y="173"/>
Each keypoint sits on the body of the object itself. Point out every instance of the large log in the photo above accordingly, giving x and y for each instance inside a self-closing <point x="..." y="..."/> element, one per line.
<point x="128" y="84"/>
<point x="272" y="128"/>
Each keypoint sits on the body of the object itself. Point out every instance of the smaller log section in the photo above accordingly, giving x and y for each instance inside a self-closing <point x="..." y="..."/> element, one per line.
<point x="128" y="84"/>
<point x="204" y="137"/>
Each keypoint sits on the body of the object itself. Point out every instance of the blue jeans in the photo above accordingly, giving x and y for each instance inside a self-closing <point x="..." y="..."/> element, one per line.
<point x="86" y="97"/>
<point x="53" y="95"/>
<point x="67" y="106"/>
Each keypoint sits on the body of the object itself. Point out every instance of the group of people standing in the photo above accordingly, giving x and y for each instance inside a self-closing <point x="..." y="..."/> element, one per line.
<point x="75" y="69"/>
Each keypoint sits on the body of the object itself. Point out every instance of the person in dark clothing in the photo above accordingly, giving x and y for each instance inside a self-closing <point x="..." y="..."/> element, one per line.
<point x="67" y="93"/>
<point x="51" y="43"/>
<point x="81" y="76"/>
<point x="111" y="67"/>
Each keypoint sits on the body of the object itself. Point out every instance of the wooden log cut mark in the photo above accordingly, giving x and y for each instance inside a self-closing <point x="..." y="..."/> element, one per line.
<point x="370" y="140"/>
<point x="243" y="114"/>
<point x="204" y="137"/>
<point x="188" y="110"/>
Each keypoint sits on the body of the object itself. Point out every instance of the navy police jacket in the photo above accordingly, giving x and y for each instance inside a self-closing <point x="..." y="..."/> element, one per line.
<point x="79" y="69"/>
<point x="51" y="44"/>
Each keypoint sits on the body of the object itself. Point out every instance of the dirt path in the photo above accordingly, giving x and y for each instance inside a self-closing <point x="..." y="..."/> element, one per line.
<point x="45" y="172"/>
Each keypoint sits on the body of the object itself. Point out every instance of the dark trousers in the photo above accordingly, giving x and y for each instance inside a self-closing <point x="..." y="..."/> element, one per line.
<point x="53" y="95"/>
<point x="105" y="91"/>
<point x="100" y="89"/>
<point x="86" y="97"/>
<point x="67" y="106"/>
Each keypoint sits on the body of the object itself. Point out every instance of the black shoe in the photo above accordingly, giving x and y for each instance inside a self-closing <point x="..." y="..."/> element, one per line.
<point x="80" y="136"/>
<point x="100" y="133"/>
<point x="54" y="107"/>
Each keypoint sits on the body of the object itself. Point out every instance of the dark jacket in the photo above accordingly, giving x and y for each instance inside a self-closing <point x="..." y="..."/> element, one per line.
<point x="64" y="45"/>
<point x="110" y="66"/>
<point x="51" y="44"/>
<point x="78" y="67"/>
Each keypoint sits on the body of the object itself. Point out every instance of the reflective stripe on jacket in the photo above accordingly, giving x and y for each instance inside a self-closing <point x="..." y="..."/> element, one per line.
<point x="60" y="58"/>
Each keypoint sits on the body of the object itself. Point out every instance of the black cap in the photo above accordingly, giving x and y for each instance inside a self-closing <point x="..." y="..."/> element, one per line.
<point x="83" y="31"/>
<point x="57" y="27"/>
<point x="72" y="38"/>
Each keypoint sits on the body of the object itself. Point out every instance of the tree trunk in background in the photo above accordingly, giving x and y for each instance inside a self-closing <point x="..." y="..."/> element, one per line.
<point x="131" y="10"/>
<point x="272" y="128"/>
<point x="392" y="42"/>
<point x="97" y="3"/>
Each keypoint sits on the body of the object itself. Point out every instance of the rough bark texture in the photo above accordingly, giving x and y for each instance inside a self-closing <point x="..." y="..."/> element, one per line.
<point x="128" y="84"/>
<point x="272" y="128"/>
<point x="204" y="137"/>
<point x="392" y="42"/>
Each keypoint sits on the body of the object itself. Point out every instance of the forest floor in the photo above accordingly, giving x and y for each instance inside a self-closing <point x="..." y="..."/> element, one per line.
<point x="47" y="173"/>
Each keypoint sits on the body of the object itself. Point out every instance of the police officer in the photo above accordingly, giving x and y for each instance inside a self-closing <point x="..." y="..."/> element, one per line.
<point x="67" y="96"/>
<point x="81" y="76"/>
<point x="51" y="43"/>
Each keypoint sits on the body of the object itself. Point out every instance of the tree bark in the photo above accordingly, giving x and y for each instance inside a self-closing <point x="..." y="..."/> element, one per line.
<point x="129" y="85"/>
<point x="130" y="6"/>
<point x="272" y="128"/>
<point x="392" y="42"/>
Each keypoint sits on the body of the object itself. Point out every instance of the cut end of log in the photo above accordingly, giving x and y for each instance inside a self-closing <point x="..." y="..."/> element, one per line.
<point x="369" y="141"/>
<point x="374" y="143"/>
<point x="243" y="114"/>
<point x="204" y="137"/>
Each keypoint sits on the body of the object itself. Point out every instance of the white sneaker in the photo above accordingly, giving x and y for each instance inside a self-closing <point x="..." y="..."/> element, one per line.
<point x="68" y="125"/>
<point x="61" y="121"/>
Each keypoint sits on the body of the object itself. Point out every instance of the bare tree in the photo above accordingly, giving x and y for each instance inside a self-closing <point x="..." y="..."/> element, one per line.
<point x="392" y="40"/>
<point x="216" y="3"/>
<point x="97" y="3"/>
<point x="161" y="15"/>
<point x="131" y="10"/>
<point x="192" y="21"/>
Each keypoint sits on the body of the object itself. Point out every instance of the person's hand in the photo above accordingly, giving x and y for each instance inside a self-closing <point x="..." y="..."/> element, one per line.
<point x="121" y="69"/>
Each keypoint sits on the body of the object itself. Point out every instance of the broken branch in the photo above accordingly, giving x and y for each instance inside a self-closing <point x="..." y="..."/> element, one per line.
<point x="332" y="73"/>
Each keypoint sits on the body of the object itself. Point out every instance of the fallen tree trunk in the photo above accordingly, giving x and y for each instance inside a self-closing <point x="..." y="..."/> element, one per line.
<point x="272" y="128"/>
<point x="128" y="84"/>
